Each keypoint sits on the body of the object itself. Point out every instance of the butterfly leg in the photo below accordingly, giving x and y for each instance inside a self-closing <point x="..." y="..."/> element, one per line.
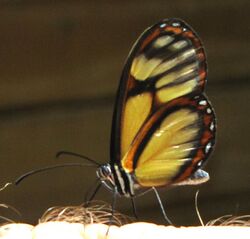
<point x="112" y="209"/>
<point x="162" y="208"/>
<point x="134" y="208"/>
<point x="91" y="193"/>
<point x="113" y="205"/>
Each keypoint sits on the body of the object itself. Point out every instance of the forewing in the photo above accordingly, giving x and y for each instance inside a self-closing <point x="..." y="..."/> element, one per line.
<point x="166" y="62"/>
<point x="173" y="144"/>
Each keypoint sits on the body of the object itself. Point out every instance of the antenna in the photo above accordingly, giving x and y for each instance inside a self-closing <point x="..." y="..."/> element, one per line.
<point x="63" y="152"/>
<point x="22" y="177"/>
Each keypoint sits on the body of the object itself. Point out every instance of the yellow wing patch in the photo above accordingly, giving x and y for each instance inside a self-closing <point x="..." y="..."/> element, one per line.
<point x="163" y="41"/>
<point x="169" y="93"/>
<point x="168" y="148"/>
<point x="157" y="172"/>
<point x="169" y="64"/>
<point x="173" y="76"/>
<point x="142" y="68"/>
<point x="137" y="108"/>
<point x="178" y="45"/>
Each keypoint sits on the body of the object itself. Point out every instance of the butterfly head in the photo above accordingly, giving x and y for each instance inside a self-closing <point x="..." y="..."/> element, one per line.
<point x="104" y="173"/>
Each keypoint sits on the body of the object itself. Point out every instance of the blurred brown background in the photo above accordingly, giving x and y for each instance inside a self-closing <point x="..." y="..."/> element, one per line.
<point x="60" y="63"/>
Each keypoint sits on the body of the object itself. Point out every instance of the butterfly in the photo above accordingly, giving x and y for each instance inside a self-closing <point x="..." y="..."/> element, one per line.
<point x="163" y="128"/>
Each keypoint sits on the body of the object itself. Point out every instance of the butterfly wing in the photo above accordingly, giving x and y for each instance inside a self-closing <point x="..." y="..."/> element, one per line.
<point x="165" y="70"/>
<point x="173" y="143"/>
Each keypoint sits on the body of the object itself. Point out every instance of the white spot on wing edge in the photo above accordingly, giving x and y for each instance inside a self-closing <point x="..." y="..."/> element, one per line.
<point x="212" y="126"/>
<point x="199" y="164"/>
<point x="209" y="111"/>
<point x="203" y="102"/>
<point x="208" y="147"/>
<point x="163" y="25"/>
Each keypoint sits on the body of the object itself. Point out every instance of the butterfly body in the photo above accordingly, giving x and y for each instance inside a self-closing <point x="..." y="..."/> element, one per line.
<point x="163" y="127"/>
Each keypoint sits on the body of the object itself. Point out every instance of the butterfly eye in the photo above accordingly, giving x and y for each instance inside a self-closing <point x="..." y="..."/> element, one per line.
<point x="104" y="172"/>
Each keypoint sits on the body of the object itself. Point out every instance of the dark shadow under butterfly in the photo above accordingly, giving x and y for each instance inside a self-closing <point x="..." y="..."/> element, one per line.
<point x="163" y="128"/>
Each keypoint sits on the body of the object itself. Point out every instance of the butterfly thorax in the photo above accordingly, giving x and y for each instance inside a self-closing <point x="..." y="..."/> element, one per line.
<point x="117" y="180"/>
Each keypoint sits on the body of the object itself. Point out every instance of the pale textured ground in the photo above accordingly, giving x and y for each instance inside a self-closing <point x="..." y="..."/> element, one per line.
<point x="134" y="230"/>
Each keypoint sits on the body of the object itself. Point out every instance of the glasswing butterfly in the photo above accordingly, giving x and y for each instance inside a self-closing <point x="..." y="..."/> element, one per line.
<point x="163" y="128"/>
